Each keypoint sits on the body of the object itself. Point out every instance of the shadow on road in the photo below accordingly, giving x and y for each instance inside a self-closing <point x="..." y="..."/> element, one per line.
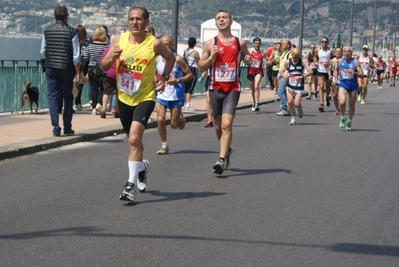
<point x="364" y="249"/>
<point x="240" y="172"/>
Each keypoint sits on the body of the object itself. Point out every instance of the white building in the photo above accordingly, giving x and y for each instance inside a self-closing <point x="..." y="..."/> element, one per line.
<point x="209" y="30"/>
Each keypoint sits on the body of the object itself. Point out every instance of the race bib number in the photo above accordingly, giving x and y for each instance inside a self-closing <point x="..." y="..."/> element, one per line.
<point x="312" y="65"/>
<point x="128" y="82"/>
<point x="293" y="81"/>
<point x="255" y="64"/>
<point x="226" y="72"/>
<point x="345" y="74"/>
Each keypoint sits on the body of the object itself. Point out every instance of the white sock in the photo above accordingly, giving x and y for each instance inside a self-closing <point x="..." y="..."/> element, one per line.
<point x="164" y="144"/>
<point x="134" y="168"/>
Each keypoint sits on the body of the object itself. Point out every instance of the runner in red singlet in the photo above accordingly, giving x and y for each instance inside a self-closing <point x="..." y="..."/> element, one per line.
<point x="255" y="72"/>
<point x="222" y="55"/>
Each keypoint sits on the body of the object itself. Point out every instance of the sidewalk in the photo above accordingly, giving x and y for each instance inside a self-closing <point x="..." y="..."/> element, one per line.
<point x="31" y="133"/>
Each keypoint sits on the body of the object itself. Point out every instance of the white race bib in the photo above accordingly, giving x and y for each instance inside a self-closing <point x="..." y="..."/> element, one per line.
<point x="226" y="72"/>
<point x="345" y="74"/>
<point x="128" y="82"/>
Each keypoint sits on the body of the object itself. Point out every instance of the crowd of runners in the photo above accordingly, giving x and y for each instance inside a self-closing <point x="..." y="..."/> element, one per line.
<point x="325" y="74"/>
<point x="149" y="74"/>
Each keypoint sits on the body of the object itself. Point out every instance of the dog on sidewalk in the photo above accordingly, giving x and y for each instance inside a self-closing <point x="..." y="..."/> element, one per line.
<point x="31" y="95"/>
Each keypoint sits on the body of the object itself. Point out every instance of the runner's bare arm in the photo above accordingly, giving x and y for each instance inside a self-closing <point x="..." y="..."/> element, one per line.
<point x="359" y="69"/>
<point x="283" y="69"/>
<point x="112" y="55"/>
<point x="336" y="71"/>
<point x="308" y="70"/>
<point x="188" y="75"/>
<point x="209" y="53"/>
<point x="246" y="56"/>
<point x="316" y="58"/>
<point x="161" y="49"/>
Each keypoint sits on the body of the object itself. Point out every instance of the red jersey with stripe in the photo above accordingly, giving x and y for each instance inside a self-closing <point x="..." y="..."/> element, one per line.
<point x="257" y="62"/>
<point x="225" y="69"/>
<point x="392" y="64"/>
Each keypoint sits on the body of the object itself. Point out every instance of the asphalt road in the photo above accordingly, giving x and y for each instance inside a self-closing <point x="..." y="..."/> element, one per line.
<point x="305" y="195"/>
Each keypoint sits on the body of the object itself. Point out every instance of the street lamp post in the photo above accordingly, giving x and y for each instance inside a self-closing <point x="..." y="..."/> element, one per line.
<point x="300" y="38"/>
<point x="394" y="33"/>
<point x="375" y="26"/>
<point x="351" y="32"/>
<point x="175" y="20"/>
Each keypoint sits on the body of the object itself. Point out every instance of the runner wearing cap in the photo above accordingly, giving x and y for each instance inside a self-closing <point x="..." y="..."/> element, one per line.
<point x="366" y="63"/>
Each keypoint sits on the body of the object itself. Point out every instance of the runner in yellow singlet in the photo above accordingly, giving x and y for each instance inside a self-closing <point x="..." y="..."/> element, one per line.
<point x="134" y="53"/>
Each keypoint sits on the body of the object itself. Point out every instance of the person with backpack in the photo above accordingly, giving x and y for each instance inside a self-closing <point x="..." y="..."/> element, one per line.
<point x="191" y="56"/>
<point x="93" y="53"/>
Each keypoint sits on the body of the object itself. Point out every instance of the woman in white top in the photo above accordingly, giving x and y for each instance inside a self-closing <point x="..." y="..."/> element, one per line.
<point x="191" y="56"/>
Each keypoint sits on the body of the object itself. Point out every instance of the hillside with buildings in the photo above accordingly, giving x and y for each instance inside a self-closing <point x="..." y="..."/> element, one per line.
<point x="264" y="18"/>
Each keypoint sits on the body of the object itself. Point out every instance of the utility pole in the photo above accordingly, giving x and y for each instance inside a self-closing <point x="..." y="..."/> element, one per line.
<point x="394" y="33"/>
<point x="175" y="22"/>
<point x="300" y="38"/>
<point x="351" y="32"/>
<point x="375" y="26"/>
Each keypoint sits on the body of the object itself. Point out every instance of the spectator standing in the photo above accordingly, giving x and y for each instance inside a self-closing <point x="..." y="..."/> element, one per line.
<point x="93" y="55"/>
<point x="191" y="56"/>
<point x="60" y="47"/>
<point x="83" y="43"/>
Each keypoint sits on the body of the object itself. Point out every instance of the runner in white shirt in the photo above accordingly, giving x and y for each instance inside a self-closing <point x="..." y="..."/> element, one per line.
<point x="322" y="62"/>
<point x="367" y="64"/>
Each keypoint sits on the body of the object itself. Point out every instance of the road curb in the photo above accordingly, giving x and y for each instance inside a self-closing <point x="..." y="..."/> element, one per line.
<point x="30" y="147"/>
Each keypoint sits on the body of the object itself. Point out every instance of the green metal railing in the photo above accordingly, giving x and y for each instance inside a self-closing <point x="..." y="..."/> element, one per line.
<point x="13" y="75"/>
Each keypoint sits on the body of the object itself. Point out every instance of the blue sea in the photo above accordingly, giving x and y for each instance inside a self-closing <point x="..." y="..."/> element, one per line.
<point x="20" y="49"/>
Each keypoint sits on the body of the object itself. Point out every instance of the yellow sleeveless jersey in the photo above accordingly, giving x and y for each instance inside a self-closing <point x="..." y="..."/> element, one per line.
<point x="135" y="70"/>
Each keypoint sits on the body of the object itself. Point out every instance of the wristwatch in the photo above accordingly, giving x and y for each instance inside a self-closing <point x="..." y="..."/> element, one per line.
<point x="165" y="76"/>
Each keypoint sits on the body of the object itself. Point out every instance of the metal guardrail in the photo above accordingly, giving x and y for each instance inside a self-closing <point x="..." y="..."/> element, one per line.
<point x="13" y="75"/>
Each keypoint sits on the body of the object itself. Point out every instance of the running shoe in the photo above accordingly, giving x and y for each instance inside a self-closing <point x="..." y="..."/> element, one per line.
<point x="182" y="122"/>
<point x="362" y="102"/>
<point x="349" y="126"/>
<point x="309" y="97"/>
<point x="282" y="113"/>
<point x="315" y="96"/>
<point x="292" y="122"/>
<point x="337" y="111"/>
<point x="359" y="97"/>
<point x="227" y="160"/>
<point x="163" y="151"/>
<point x="257" y="107"/>
<point x="327" y="100"/>
<point x="253" y="107"/>
<point x="208" y="124"/>
<point x="190" y="109"/>
<point x="321" y="108"/>
<point x="218" y="167"/>
<point x="128" y="193"/>
<point x="300" y="112"/>
<point x="143" y="181"/>
<point x="342" y="122"/>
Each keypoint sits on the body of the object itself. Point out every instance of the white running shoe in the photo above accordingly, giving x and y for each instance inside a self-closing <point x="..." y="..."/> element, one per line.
<point x="292" y="122"/>
<point x="128" y="193"/>
<point x="143" y="181"/>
